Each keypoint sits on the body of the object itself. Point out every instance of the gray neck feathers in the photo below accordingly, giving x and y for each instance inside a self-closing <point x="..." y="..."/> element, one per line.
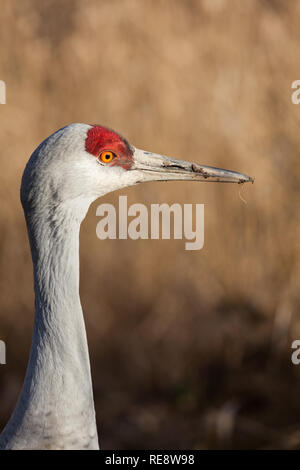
<point x="55" y="408"/>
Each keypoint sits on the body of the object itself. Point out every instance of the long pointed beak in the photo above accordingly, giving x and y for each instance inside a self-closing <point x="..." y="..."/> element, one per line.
<point x="155" y="167"/>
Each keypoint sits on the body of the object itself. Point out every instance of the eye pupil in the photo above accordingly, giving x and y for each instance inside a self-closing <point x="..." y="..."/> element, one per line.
<point x="107" y="156"/>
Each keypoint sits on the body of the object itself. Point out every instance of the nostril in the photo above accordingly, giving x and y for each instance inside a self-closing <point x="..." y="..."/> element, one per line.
<point x="173" y="165"/>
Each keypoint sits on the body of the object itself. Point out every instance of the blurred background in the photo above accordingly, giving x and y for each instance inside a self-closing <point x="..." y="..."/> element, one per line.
<point x="189" y="349"/>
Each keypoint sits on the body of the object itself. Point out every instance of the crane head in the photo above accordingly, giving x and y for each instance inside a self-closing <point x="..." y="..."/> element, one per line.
<point x="87" y="161"/>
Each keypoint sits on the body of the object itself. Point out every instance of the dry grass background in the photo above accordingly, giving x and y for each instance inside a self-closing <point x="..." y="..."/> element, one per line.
<point x="188" y="349"/>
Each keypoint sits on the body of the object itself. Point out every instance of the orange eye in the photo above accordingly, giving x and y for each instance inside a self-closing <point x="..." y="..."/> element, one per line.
<point x="106" y="156"/>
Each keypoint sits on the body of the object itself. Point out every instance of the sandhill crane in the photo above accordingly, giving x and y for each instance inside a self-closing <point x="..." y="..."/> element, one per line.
<point x="65" y="174"/>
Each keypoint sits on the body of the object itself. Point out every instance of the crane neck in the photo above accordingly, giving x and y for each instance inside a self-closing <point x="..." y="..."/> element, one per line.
<point x="56" y="401"/>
